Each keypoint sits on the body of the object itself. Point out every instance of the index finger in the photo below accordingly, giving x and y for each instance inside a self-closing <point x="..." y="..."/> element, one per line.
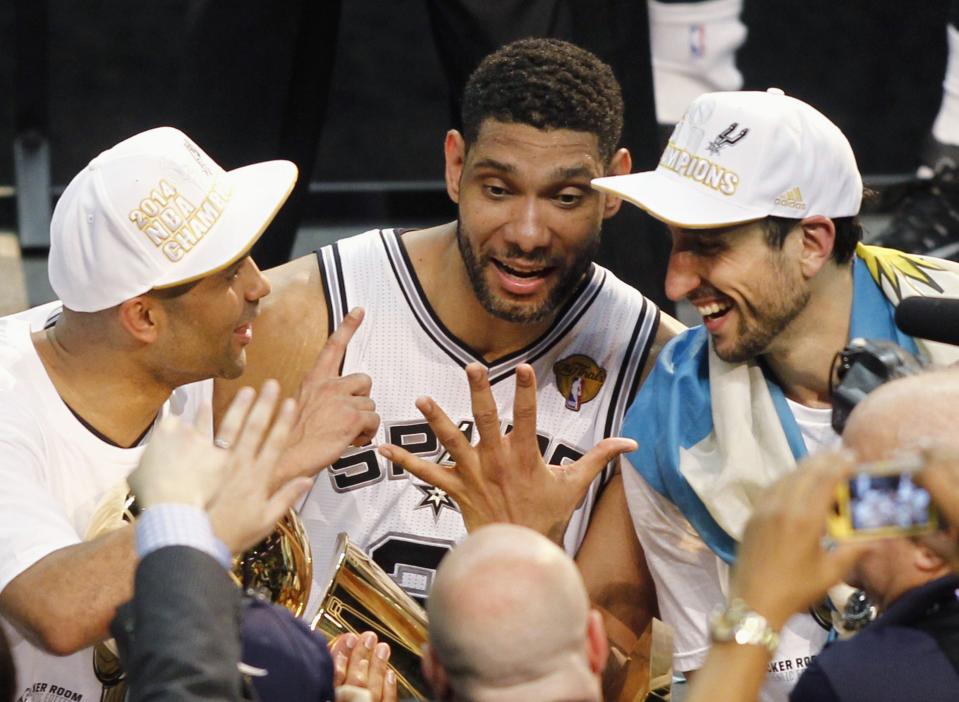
<point x="484" y="406"/>
<point x="330" y="358"/>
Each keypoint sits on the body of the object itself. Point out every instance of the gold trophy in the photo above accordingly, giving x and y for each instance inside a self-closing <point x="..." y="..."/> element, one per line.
<point x="361" y="597"/>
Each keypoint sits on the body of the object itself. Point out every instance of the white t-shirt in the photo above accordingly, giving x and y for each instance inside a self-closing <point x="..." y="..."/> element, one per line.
<point x="53" y="474"/>
<point x="691" y="580"/>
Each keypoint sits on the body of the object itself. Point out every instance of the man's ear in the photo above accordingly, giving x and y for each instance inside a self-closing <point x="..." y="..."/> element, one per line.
<point x="435" y="673"/>
<point x="140" y="316"/>
<point x="927" y="559"/>
<point x="818" y="240"/>
<point x="454" y="150"/>
<point x="597" y="644"/>
<point x="620" y="164"/>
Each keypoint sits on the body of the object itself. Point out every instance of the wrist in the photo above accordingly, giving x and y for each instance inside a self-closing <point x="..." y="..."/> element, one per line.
<point x="737" y="623"/>
<point x="758" y="600"/>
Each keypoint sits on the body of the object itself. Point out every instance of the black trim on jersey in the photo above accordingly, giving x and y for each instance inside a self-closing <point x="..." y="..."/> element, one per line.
<point x="631" y="370"/>
<point x="573" y="321"/>
<point x="621" y="377"/>
<point x="411" y="304"/>
<point x="331" y="269"/>
<point x="458" y="350"/>
<point x="642" y="361"/>
<point x="344" y="304"/>
<point x="327" y="294"/>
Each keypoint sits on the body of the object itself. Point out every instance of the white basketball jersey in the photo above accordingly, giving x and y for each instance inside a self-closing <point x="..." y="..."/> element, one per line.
<point x="587" y="367"/>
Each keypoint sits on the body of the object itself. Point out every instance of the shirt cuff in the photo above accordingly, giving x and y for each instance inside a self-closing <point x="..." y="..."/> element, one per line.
<point x="179" y="525"/>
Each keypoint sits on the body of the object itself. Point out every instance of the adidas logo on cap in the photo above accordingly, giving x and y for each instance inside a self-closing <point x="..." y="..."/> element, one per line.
<point x="791" y="198"/>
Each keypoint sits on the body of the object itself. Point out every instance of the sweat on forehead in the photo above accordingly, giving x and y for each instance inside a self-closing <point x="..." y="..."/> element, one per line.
<point x="905" y="413"/>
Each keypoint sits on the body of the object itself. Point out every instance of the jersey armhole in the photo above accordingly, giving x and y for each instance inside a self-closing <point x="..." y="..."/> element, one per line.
<point x="334" y="287"/>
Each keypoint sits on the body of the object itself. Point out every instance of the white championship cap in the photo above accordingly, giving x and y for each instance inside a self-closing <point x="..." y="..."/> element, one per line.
<point x="155" y="211"/>
<point x="741" y="156"/>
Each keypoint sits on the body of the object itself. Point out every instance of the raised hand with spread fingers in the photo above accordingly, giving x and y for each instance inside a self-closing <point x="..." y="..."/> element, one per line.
<point x="233" y="480"/>
<point x="504" y="478"/>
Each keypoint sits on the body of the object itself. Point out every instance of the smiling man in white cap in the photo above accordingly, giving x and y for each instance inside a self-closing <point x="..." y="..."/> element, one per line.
<point x="150" y="259"/>
<point x="760" y="193"/>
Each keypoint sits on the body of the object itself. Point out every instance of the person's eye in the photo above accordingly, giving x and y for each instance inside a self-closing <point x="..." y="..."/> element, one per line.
<point x="568" y="198"/>
<point x="495" y="191"/>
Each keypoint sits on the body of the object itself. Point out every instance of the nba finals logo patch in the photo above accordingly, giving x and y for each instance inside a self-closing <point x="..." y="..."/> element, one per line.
<point x="578" y="379"/>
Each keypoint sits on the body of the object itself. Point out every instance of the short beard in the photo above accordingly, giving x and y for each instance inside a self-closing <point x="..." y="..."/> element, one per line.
<point x="569" y="279"/>
<point x="767" y="320"/>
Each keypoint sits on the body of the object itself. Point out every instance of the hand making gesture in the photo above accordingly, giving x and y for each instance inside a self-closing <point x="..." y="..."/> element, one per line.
<point x="504" y="478"/>
<point x="334" y="411"/>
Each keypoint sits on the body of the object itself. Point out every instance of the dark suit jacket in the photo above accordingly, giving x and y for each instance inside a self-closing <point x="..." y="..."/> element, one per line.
<point x="911" y="652"/>
<point x="180" y="636"/>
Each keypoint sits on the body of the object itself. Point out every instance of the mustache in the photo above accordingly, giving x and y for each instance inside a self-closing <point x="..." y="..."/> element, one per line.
<point x="705" y="291"/>
<point x="515" y="253"/>
<point x="252" y="312"/>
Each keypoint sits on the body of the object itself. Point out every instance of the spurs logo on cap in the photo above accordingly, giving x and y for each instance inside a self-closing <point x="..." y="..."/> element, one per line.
<point x="781" y="145"/>
<point x="725" y="137"/>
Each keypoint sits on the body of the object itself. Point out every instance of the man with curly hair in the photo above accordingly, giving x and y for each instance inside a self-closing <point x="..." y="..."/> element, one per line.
<point x="511" y="282"/>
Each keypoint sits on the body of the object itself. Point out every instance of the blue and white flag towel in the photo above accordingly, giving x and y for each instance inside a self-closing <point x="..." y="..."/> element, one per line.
<point x="710" y="442"/>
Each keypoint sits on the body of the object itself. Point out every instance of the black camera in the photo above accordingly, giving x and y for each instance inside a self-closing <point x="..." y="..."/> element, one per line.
<point x="860" y="368"/>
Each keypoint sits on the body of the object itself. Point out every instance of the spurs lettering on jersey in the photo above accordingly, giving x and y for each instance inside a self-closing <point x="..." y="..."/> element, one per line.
<point x="360" y="468"/>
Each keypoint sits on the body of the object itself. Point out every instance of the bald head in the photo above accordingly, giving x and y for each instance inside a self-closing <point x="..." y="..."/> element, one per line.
<point x="508" y="615"/>
<point x="904" y="414"/>
<point x="896" y="417"/>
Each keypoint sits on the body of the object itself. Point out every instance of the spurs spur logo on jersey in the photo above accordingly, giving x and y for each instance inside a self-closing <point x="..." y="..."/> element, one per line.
<point x="726" y="137"/>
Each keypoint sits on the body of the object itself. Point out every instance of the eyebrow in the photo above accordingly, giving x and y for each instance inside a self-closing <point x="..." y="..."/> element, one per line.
<point x="574" y="172"/>
<point x="561" y="173"/>
<point x="711" y="232"/>
<point x="495" y="165"/>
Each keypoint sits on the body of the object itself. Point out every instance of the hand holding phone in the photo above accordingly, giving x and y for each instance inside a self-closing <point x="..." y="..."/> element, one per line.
<point x="882" y="499"/>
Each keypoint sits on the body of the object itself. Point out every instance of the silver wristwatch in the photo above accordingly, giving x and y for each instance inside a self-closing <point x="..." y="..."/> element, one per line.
<point x="738" y="624"/>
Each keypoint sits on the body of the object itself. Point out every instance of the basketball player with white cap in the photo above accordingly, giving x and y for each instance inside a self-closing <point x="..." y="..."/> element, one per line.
<point x="760" y="194"/>
<point x="157" y="294"/>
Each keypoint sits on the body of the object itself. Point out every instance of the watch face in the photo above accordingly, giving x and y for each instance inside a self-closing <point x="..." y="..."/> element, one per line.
<point x="740" y="624"/>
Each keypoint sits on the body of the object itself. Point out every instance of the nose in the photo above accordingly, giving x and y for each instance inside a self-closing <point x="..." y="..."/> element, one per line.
<point x="682" y="276"/>
<point x="256" y="285"/>
<point x="528" y="227"/>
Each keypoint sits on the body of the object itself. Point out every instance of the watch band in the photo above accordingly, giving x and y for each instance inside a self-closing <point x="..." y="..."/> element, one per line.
<point x="737" y="623"/>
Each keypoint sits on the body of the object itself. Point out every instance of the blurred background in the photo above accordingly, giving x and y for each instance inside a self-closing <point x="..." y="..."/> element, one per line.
<point x="357" y="93"/>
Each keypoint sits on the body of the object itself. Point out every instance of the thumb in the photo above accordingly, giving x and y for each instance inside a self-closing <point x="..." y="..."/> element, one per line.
<point x="601" y="454"/>
<point x="285" y="497"/>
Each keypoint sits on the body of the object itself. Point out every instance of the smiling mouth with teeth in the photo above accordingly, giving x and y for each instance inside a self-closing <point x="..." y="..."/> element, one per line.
<point x="539" y="272"/>
<point x="713" y="309"/>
